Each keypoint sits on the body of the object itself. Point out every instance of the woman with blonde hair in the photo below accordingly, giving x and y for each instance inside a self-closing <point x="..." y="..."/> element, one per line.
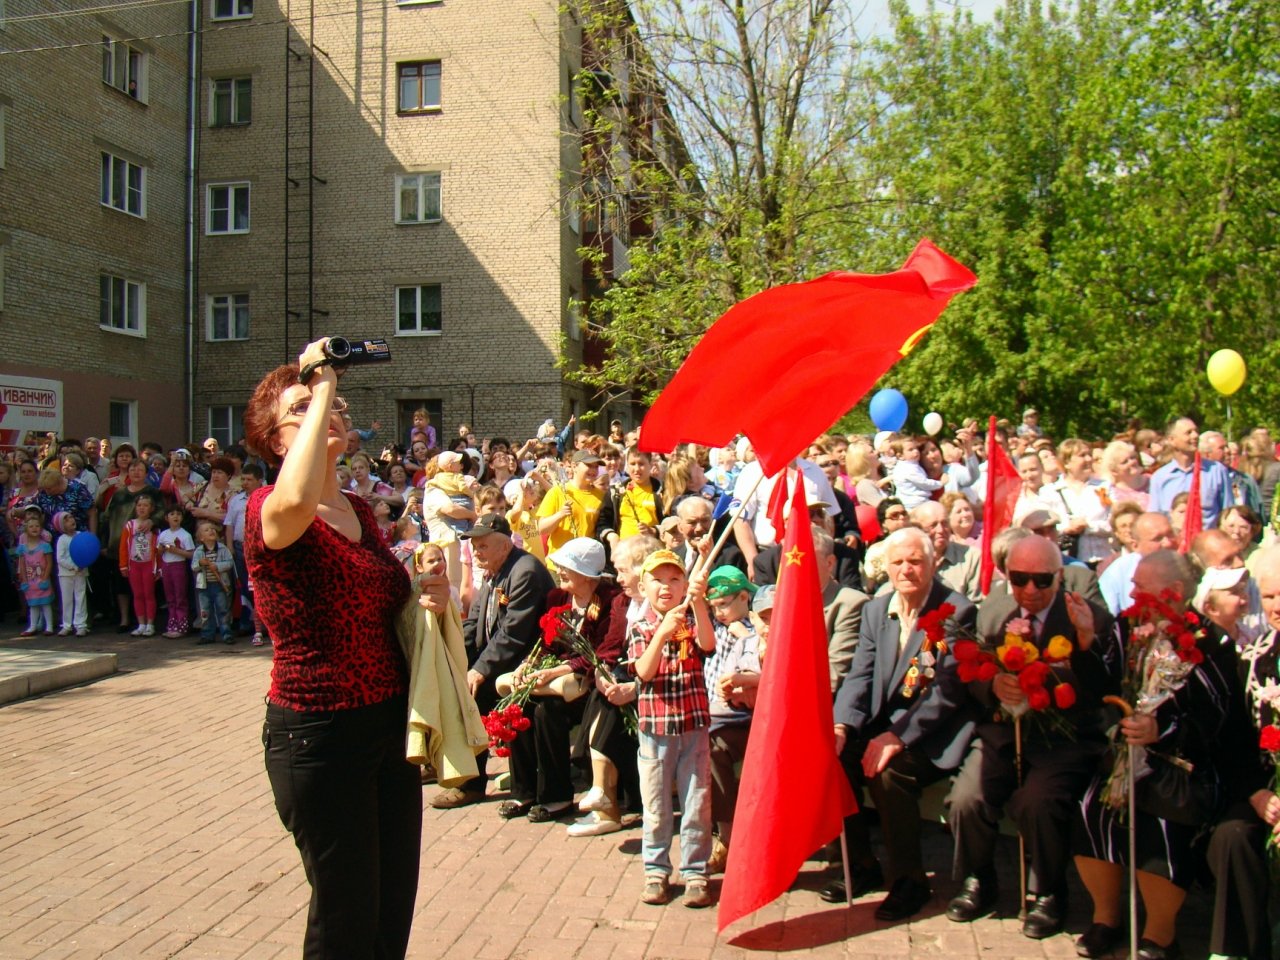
<point x="675" y="484"/>
<point x="1122" y="478"/>
<point x="862" y="466"/>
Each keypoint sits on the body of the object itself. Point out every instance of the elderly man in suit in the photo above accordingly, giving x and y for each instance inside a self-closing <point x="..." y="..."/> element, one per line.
<point x="958" y="566"/>
<point x="499" y="631"/>
<point x="903" y="721"/>
<point x="1055" y="767"/>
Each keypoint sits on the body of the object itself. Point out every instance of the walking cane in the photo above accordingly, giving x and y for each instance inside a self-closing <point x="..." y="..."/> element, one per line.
<point x="1022" y="843"/>
<point x="844" y="855"/>
<point x="1133" y="859"/>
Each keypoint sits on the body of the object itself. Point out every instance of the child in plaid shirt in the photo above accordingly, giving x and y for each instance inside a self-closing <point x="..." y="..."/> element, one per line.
<point x="666" y="647"/>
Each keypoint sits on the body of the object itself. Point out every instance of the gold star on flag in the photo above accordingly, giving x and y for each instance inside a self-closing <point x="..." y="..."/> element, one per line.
<point x="794" y="556"/>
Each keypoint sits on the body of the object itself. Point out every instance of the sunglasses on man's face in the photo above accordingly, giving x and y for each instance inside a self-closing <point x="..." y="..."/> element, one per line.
<point x="1020" y="578"/>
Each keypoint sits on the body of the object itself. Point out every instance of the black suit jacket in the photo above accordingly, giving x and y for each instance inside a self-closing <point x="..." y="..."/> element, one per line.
<point x="503" y="623"/>
<point x="940" y="722"/>
<point x="1088" y="671"/>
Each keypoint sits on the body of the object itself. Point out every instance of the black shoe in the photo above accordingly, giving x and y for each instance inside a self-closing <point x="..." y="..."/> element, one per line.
<point x="906" y="898"/>
<point x="1099" y="940"/>
<point x="1044" y="919"/>
<point x="865" y="879"/>
<point x="976" y="898"/>
<point x="1150" y="950"/>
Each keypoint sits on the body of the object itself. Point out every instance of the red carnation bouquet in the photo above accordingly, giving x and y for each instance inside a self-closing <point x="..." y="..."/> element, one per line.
<point x="561" y="634"/>
<point x="1034" y="668"/>
<point x="507" y="718"/>
<point x="1269" y="742"/>
<point x="1162" y="650"/>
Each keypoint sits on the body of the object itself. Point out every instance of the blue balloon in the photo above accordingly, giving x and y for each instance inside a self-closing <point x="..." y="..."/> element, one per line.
<point x="85" y="549"/>
<point x="889" y="410"/>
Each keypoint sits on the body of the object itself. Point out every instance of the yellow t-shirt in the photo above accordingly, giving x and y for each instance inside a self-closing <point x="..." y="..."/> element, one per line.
<point x="637" y="507"/>
<point x="584" y="507"/>
<point x="525" y="525"/>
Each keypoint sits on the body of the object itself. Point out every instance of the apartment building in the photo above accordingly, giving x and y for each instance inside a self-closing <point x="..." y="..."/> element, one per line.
<point x="404" y="170"/>
<point x="93" y="166"/>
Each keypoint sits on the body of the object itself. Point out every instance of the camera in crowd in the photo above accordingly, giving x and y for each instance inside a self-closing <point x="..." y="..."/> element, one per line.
<point x="348" y="353"/>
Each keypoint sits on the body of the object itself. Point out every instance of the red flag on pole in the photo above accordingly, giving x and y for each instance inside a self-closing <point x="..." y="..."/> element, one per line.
<point x="1193" y="519"/>
<point x="794" y="794"/>
<point x="783" y="365"/>
<point x="1003" y="487"/>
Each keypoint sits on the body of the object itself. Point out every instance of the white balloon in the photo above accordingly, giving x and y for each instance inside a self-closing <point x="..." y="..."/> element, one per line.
<point x="933" y="423"/>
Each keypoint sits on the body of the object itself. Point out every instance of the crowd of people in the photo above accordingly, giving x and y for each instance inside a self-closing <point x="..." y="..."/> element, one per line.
<point x="585" y="532"/>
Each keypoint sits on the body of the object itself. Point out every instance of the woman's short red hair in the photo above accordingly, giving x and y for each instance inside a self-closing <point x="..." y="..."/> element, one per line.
<point x="260" y="414"/>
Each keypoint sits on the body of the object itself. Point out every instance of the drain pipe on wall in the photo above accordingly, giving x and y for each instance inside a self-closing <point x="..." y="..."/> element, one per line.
<point x="190" y="276"/>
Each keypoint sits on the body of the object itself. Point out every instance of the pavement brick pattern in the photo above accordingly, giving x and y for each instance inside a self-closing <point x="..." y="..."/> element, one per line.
<point x="136" y="822"/>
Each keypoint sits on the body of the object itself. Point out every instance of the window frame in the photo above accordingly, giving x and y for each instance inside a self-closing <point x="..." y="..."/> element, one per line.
<point x="132" y="436"/>
<point x="107" y="300"/>
<point x="230" y="186"/>
<point x="107" y="184"/>
<point x="421" y="107"/>
<point x="421" y="191"/>
<point x="233" y="118"/>
<point x="228" y="432"/>
<point x="133" y="84"/>
<point x="232" y="308"/>
<point x="418" y="331"/>
<point x="214" y="15"/>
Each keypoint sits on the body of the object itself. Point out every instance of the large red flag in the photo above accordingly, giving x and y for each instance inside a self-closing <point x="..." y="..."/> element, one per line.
<point x="1003" y="487"/>
<point x="783" y="365"/>
<point x="1193" y="519"/>
<point x="794" y="795"/>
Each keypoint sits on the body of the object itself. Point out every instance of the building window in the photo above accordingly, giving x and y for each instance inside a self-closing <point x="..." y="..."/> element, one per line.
<point x="122" y="305"/>
<point x="124" y="185"/>
<point x="223" y="423"/>
<point x="419" y="86"/>
<point x="124" y="68"/>
<point x="231" y="102"/>
<point x="418" y="309"/>
<point x="418" y="198"/>
<point x="229" y="316"/>
<point x="575" y="320"/>
<point x="231" y="9"/>
<point x="228" y="208"/>
<point x="122" y="421"/>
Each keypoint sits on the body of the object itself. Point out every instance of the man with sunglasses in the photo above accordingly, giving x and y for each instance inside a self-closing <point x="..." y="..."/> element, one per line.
<point x="1056" y="766"/>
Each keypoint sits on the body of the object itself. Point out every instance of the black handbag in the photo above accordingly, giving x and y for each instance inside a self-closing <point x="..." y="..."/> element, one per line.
<point x="1179" y="791"/>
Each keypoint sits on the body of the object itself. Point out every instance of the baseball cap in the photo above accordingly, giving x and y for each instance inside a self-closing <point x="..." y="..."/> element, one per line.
<point x="763" y="600"/>
<point x="448" y="457"/>
<point x="1217" y="578"/>
<point x="726" y="581"/>
<point x="489" y="523"/>
<point x="660" y="558"/>
<point x="581" y="555"/>
<point x="585" y="456"/>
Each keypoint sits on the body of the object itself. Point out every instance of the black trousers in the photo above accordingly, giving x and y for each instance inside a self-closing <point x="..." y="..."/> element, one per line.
<point x="1238" y="859"/>
<point x="896" y="792"/>
<point x="354" y="806"/>
<point x="1044" y="807"/>
<point x="540" y="765"/>
<point x="728" y="748"/>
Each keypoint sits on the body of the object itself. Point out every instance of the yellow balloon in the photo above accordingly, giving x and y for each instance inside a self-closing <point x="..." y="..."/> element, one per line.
<point x="1226" y="372"/>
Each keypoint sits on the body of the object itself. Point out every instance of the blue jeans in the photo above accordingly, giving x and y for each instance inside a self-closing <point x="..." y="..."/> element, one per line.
<point x="214" y="608"/>
<point x="682" y="761"/>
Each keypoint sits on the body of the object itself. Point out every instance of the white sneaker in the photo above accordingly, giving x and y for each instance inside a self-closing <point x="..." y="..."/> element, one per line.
<point x="594" y="825"/>
<point x="593" y="799"/>
<point x="64" y="632"/>
<point x="137" y="631"/>
<point x="82" y="632"/>
<point x="148" y="631"/>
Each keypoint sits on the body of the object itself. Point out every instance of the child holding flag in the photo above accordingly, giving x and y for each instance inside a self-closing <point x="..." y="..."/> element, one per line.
<point x="666" y="648"/>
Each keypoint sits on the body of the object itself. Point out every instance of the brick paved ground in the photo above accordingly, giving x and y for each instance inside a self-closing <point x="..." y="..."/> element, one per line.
<point x="136" y="822"/>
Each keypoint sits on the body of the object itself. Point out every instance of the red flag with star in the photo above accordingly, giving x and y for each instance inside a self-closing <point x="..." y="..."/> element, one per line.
<point x="794" y="795"/>
<point x="783" y="365"/>
<point x="1003" y="487"/>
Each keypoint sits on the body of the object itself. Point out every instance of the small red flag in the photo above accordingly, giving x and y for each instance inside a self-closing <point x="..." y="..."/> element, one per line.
<point x="794" y="794"/>
<point x="1003" y="487"/>
<point x="783" y="365"/>
<point x="1193" y="519"/>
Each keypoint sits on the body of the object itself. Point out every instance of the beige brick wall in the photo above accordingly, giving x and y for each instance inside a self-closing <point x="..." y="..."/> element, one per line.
<point x="501" y="253"/>
<point x="59" y="117"/>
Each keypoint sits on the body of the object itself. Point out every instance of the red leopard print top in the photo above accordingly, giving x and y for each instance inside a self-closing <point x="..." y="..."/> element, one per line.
<point x="330" y="605"/>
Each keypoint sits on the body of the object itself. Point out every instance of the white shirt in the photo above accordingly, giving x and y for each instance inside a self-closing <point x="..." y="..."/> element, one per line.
<point x="756" y="511"/>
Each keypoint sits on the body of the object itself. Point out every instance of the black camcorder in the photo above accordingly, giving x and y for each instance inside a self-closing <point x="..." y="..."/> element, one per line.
<point x="340" y="353"/>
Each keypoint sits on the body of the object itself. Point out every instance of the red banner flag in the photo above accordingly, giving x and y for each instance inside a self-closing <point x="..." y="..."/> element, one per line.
<point x="1003" y="487"/>
<point x="783" y="365"/>
<point x="794" y="794"/>
<point x="1193" y="519"/>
